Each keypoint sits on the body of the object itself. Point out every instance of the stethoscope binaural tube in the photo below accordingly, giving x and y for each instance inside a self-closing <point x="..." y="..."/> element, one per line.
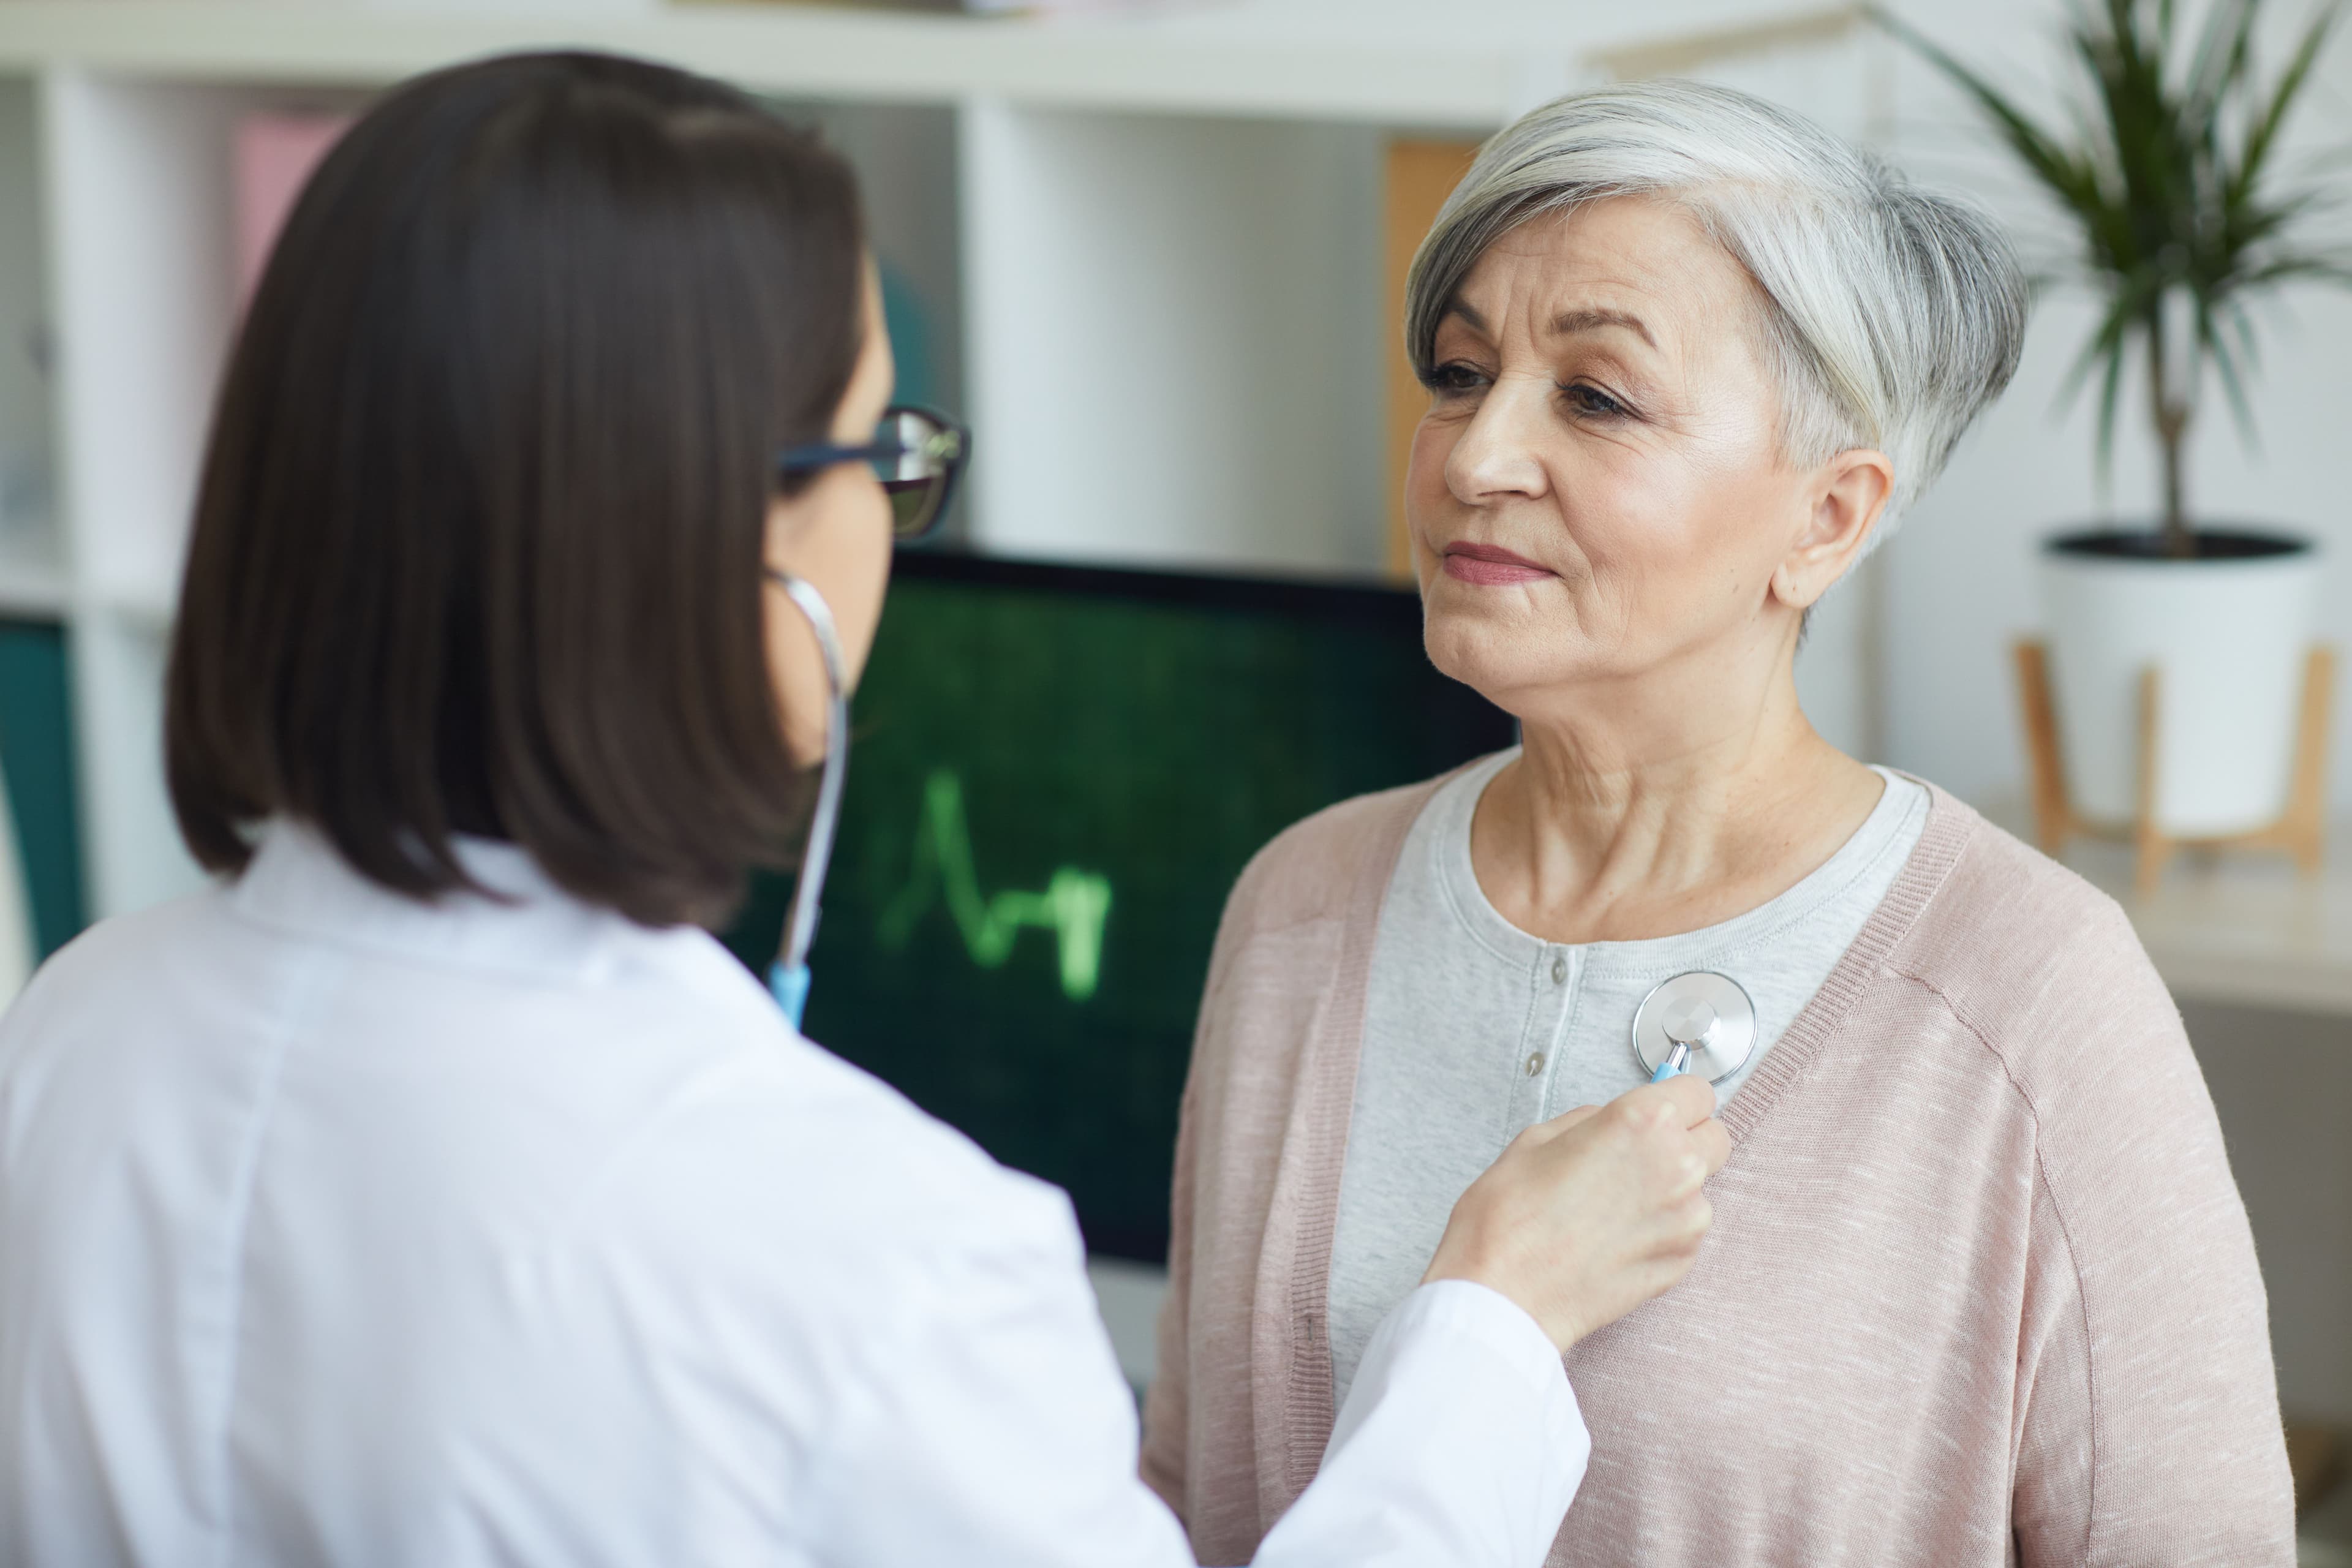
<point x="788" y="977"/>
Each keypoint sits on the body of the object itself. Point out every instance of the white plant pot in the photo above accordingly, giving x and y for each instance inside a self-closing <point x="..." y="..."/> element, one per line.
<point x="2229" y="635"/>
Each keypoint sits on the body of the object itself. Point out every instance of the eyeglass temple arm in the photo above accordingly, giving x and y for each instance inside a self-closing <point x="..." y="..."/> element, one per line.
<point x="824" y="453"/>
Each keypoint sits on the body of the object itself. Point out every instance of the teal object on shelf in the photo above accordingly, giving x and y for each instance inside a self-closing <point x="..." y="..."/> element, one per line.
<point x="909" y="321"/>
<point x="37" y="753"/>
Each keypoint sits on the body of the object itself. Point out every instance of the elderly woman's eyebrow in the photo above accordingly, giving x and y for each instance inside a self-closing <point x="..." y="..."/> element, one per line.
<point x="1569" y="322"/>
<point x="1566" y="323"/>
<point x="1477" y="322"/>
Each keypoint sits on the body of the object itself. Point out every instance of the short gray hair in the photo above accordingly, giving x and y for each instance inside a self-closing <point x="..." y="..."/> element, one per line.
<point x="1892" y="315"/>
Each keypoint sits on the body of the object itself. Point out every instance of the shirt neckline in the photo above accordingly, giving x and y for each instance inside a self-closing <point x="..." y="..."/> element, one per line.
<point x="1455" y="803"/>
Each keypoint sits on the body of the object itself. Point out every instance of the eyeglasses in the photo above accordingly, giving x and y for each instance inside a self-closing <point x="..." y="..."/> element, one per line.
<point x="917" y="453"/>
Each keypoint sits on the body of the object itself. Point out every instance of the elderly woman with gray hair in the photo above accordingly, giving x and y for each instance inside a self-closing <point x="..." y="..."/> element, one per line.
<point x="1979" y="1290"/>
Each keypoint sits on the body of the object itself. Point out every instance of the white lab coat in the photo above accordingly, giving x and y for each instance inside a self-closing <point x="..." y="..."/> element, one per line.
<point x="339" y="1228"/>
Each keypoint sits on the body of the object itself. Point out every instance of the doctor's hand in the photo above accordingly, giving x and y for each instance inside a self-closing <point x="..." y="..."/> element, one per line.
<point x="1586" y="1216"/>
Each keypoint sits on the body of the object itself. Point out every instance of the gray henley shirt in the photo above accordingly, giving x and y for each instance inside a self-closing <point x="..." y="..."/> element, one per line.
<point x="1475" y="1030"/>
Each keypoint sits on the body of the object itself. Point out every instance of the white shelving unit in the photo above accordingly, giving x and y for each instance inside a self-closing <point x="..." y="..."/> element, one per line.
<point x="1150" y="250"/>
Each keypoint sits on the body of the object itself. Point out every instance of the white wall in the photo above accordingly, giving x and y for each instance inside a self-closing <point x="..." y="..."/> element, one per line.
<point x="905" y="155"/>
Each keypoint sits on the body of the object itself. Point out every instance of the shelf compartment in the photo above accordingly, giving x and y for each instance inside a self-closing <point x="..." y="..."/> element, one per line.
<point x="1176" y="338"/>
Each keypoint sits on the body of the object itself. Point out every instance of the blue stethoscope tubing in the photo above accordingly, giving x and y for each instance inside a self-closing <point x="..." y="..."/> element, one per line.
<point x="788" y="977"/>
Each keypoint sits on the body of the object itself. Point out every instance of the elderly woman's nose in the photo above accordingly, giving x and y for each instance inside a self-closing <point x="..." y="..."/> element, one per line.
<point x="1498" y="452"/>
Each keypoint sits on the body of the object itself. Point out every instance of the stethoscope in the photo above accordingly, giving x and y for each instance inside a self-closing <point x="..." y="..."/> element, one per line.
<point x="788" y="977"/>
<point x="1700" y="1023"/>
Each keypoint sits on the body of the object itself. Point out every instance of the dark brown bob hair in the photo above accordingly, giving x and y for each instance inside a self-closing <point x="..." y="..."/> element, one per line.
<point x="478" y="541"/>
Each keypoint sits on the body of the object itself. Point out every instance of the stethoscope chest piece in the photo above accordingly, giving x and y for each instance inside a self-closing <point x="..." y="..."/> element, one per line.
<point x="1705" y="1012"/>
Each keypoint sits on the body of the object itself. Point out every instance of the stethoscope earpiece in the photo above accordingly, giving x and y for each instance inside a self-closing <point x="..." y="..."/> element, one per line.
<point x="1701" y="1023"/>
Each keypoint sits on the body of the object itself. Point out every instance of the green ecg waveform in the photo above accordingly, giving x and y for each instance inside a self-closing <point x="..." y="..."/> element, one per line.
<point x="1075" y="906"/>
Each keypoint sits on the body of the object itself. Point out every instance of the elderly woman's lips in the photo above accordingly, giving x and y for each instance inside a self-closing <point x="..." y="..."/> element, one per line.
<point x="1484" y="564"/>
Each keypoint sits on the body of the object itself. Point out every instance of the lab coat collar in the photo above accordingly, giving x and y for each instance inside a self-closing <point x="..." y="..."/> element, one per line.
<point x="297" y="882"/>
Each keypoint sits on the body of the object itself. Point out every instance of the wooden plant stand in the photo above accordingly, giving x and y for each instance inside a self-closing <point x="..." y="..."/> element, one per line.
<point x="2301" y="832"/>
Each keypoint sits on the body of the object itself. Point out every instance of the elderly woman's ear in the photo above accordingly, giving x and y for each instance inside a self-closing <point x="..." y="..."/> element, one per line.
<point x="1849" y="496"/>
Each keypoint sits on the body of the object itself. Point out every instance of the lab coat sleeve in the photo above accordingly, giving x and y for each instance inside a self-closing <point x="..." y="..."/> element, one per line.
<point x="995" y="1429"/>
<point x="1460" y="1443"/>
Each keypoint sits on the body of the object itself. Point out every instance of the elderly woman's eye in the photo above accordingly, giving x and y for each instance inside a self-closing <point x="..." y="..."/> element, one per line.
<point x="1586" y="398"/>
<point x="1455" y="378"/>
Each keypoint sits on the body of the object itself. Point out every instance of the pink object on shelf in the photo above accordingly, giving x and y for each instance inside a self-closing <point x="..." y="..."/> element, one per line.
<point x="275" y="154"/>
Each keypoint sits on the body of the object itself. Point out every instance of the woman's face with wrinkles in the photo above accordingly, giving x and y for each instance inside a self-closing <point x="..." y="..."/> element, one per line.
<point x="1598" y="489"/>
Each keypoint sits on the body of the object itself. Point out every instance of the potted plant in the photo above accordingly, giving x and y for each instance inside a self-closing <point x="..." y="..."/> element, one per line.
<point x="2166" y="171"/>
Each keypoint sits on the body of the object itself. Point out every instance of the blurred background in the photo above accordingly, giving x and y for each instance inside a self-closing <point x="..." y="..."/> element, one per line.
<point x="1154" y="254"/>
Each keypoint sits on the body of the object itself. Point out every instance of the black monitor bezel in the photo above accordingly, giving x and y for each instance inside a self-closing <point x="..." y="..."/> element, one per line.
<point x="1365" y="601"/>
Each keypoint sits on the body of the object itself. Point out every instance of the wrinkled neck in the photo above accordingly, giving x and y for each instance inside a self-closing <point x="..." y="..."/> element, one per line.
<point x="1646" y="807"/>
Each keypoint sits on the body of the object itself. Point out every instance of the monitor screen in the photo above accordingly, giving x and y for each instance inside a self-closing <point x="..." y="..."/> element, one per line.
<point x="1057" y="773"/>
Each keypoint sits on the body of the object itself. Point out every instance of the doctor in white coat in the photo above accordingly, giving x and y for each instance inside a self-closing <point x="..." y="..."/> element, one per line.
<point x="431" y="1189"/>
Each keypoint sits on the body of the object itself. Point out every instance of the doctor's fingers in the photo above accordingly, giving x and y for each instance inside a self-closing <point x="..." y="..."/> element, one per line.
<point x="1714" y="1143"/>
<point x="1668" y="1158"/>
<point x="1676" y="1246"/>
<point x="1674" y="1162"/>
<point x="1682" y="1102"/>
<point x="1545" y="1132"/>
<point x="1699" y="1153"/>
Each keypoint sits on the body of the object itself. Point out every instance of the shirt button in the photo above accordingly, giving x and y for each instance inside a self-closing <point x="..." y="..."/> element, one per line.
<point x="1534" y="1063"/>
<point x="1559" y="972"/>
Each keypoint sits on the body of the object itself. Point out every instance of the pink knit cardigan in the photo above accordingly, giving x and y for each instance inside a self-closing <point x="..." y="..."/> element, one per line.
<point x="1979" y="1291"/>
